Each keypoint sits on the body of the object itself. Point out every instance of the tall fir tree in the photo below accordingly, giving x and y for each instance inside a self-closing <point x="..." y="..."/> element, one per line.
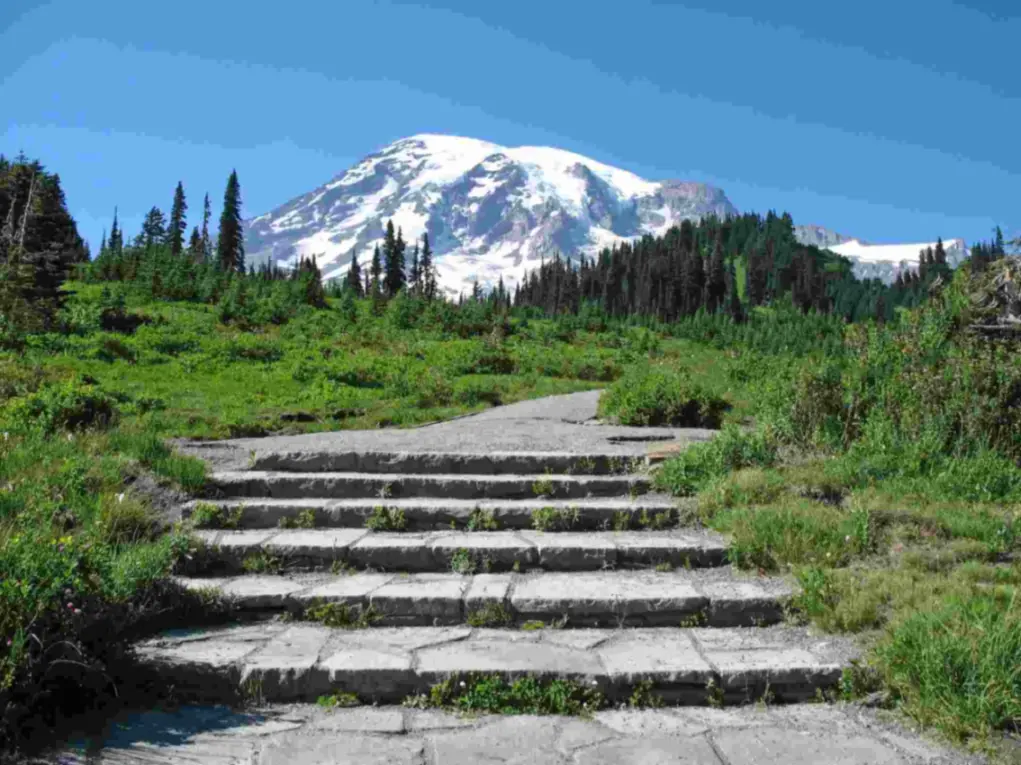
<point x="716" y="279"/>
<point x="230" y="243"/>
<point x="116" y="241"/>
<point x="376" y="271"/>
<point x="178" y="223"/>
<point x="413" y="276"/>
<point x="426" y="270"/>
<point x="196" y="253"/>
<point x="353" y="280"/>
<point x="154" y="229"/>
<point x="207" y="244"/>
<point x="393" y="261"/>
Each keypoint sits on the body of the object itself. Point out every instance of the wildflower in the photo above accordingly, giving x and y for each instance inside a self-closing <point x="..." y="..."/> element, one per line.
<point x="9" y="642"/>
<point x="70" y="605"/>
<point x="77" y="611"/>
<point x="847" y="538"/>
<point x="120" y="497"/>
<point x="462" y="684"/>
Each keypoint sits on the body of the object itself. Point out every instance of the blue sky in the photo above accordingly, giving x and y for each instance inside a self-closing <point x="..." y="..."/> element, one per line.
<point x="892" y="121"/>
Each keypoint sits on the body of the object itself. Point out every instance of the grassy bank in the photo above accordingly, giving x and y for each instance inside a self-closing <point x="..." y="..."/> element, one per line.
<point x="886" y="481"/>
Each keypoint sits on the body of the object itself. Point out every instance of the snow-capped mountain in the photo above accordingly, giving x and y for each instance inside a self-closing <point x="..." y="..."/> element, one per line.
<point x="489" y="210"/>
<point x="493" y="211"/>
<point x="877" y="261"/>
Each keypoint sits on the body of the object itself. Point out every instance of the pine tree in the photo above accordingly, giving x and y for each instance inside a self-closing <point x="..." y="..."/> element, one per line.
<point x="940" y="255"/>
<point x="393" y="261"/>
<point x="716" y="281"/>
<point x="154" y="228"/>
<point x="116" y="243"/>
<point x="376" y="270"/>
<point x="354" y="275"/>
<point x="230" y="245"/>
<point x="178" y="225"/>
<point x="196" y="253"/>
<point x="414" y="276"/>
<point x="426" y="270"/>
<point x="207" y="245"/>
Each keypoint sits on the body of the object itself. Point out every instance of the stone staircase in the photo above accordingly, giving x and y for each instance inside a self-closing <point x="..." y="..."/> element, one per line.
<point x="425" y="565"/>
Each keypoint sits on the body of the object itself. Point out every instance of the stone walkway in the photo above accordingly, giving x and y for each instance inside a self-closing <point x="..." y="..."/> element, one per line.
<point x="521" y="541"/>
<point x="807" y="734"/>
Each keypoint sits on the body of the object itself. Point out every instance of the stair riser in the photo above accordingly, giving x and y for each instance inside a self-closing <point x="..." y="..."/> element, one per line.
<point x="425" y="518"/>
<point x="465" y="464"/>
<point x="226" y="562"/>
<point x="199" y="684"/>
<point x="405" y="613"/>
<point x="282" y="486"/>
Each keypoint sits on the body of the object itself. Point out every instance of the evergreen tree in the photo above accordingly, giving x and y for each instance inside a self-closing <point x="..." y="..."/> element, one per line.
<point x="116" y="242"/>
<point x="196" y="252"/>
<point x="999" y="246"/>
<point x="178" y="225"/>
<point x="940" y="255"/>
<point x="376" y="270"/>
<point x="154" y="228"/>
<point x="716" y="280"/>
<point x="207" y="245"/>
<point x="414" y="276"/>
<point x="230" y="244"/>
<point x="393" y="261"/>
<point x="426" y="270"/>
<point x="354" y="275"/>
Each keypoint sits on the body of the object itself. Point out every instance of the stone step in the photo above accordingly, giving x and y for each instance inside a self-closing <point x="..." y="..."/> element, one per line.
<point x="283" y="485"/>
<point x="287" y="662"/>
<point x="712" y="598"/>
<point x="493" y="463"/>
<point x="257" y="551"/>
<point x="424" y="514"/>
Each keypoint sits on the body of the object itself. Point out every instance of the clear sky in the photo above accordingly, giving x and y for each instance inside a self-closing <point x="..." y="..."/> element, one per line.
<point x="890" y="120"/>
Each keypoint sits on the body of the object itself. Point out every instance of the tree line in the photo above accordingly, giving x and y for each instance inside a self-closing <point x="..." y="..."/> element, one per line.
<point x="726" y="266"/>
<point x="39" y="244"/>
<point x="713" y="266"/>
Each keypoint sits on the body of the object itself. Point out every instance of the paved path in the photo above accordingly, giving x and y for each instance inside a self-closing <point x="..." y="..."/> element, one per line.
<point x="556" y="424"/>
<point x="306" y="735"/>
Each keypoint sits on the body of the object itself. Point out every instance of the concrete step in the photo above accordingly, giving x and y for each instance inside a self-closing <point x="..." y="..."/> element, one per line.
<point x="425" y="514"/>
<point x="286" y="662"/>
<point x="381" y="486"/>
<point x="713" y="598"/>
<point x="285" y="485"/>
<point x="466" y="552"/>
<point x="493" y="463"/>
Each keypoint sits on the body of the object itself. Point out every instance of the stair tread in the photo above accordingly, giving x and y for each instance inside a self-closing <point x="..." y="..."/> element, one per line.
<point x="718" y="597"/>
<point x="434" y="551"/>
<point x="292" y="661"/>
<point x="390" y="477"/>
<point x="658" y="501"/>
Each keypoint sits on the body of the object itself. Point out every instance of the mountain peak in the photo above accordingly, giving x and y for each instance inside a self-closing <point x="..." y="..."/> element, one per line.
<point x="489" y="210"/>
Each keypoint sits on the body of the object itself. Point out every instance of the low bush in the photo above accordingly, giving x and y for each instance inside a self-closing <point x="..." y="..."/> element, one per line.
<point x="659" y="395"/>
<point x="699" y="464"/>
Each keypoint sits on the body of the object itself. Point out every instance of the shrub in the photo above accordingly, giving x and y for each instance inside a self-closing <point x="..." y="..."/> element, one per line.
<point x="73" y="404"/>
<point x="731" y="449"/>
<point x="659" y="395"/>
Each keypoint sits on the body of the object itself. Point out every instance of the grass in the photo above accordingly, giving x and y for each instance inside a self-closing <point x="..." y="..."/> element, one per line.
<point x="386" y="519"/>
<point x="490" y="615"/>
<point x="555" y="518"/>
<point x="341" y="615"/>
<point x="492" y="694"/>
